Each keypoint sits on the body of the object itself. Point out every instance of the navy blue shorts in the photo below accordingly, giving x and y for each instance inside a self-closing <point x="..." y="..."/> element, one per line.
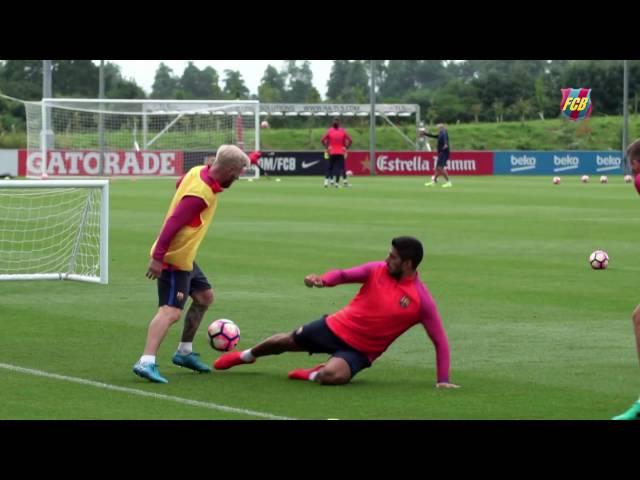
<point x="316" y="337"/>
<point x="174" y="286"/>
<point x="442" y="158"/>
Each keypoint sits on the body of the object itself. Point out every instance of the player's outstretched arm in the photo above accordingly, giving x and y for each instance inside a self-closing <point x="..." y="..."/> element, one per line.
<point x="446" y="385"/>
<point x="313" y="280"/>
<point x="430" y="319"/>
<point x="358" y="274"/>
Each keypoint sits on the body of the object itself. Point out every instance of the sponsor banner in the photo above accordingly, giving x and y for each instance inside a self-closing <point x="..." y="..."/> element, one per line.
<point x="420" y="163"/>
<point x="558" y="163"/>
<point x="193" y="159"/>
<point x="87" y="163"/>
<point x="282" y="163"/>
<point x="293" y="163"/>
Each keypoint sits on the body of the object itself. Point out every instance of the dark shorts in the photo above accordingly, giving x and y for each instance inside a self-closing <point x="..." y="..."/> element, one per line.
<point x="316" y="337"/>
<point x="175" y="286"/>
<point x="442" y="158"/>
<point x="336" y="164"/>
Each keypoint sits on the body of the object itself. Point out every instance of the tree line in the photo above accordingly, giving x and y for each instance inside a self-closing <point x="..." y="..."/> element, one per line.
<point x="449" y="91"/>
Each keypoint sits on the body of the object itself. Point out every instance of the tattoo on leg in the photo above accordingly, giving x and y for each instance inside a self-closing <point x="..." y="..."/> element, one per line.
<point x="192" y="321"/>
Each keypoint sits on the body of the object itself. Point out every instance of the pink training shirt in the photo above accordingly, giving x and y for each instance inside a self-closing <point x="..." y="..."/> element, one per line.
<point x="384" y="309"/>
<point x="336" y="140"/>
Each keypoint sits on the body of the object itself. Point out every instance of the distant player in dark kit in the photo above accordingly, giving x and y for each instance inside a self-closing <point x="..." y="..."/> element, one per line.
<point x="391" y="300"/>
<point x="336" y="140"/>
<point x="443" y="156"/>
<point x="633" y="154"/>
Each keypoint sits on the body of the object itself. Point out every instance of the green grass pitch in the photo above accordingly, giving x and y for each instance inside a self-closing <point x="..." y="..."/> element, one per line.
<point x="534" y="332"/>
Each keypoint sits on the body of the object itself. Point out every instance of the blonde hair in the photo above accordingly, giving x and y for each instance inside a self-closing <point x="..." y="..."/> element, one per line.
<point x="229" y="156"/>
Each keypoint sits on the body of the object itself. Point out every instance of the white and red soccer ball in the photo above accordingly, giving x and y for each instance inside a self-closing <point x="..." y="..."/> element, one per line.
<point x="584" y="179"/>
<point x="556" y="180"/>
<point x="264" y="124"/>
<point x="628" y="179"/>
<point x="349" y="173"/>
<point x="604" y="179"/>
<point x="223" y="335"/>
<point x="599" y="260"/>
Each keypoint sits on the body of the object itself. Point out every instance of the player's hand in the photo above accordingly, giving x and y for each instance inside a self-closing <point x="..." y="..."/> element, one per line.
<point x="313" y="280"/>
<point x="154" y="270"/>
<point x="446" y="385"/>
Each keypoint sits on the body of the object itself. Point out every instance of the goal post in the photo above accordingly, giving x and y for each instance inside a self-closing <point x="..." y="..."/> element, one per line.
<point x="54" y="230"/>
<point x="114" y="134"/>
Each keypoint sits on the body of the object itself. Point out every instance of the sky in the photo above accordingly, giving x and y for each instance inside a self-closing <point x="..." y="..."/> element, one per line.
<point x="143" y="71"/>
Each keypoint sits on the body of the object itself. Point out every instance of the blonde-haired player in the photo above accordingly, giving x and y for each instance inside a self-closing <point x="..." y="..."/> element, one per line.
<point x="173" y="259"/>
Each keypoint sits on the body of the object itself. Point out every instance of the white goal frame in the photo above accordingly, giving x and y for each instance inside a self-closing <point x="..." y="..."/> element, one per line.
<point x="142" y="109"/>
<point x="103" y="185"/>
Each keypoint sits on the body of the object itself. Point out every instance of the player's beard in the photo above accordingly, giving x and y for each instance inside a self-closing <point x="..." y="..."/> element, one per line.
<point x="395" y="274"/>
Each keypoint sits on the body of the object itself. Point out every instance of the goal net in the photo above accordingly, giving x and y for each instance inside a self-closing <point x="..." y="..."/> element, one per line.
<point x="134" y="137"/>
<point x="55" y="229"/>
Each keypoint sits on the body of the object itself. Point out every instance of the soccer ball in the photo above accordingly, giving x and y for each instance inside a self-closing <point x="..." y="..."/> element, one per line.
<point x="584" y="179"/>
<point x="628" y="179"/>
<point x="264" y="124"/>
<point x="349" y="173"/>
<point x="604" y="179"/>
<point x="556" y="180"/>
<point x="599" y="260"/>
<point x="223" y="335"/>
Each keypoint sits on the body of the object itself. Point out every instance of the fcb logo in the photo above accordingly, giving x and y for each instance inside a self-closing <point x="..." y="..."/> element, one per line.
<point x="404" y="302"/>
<point x="576" y="103"/>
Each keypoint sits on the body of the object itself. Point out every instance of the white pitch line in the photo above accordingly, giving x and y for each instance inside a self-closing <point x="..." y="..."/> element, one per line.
<point x="143" y="393"/>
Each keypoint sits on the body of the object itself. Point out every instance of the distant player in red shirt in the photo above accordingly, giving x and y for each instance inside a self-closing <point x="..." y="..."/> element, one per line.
<point x="336" y="140"/>
<point x="253" y="159"/>
<point x="391" y="300"/>
<point x="633" y="154"/>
